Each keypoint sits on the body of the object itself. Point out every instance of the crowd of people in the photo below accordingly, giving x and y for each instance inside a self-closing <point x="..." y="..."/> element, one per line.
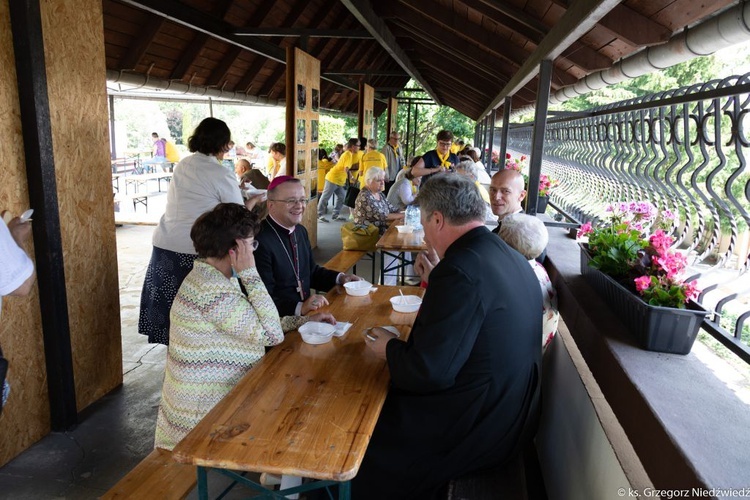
<point x="230" y="275"/>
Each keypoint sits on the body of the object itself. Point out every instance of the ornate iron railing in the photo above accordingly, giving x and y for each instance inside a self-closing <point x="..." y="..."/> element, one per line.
<point x="685" y="150"/>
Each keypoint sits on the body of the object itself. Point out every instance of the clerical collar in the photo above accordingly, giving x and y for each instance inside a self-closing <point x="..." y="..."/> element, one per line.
<point x="291" y="230"/>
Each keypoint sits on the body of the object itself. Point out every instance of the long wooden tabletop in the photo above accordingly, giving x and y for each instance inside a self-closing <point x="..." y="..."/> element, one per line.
<point x="304" y="410"/>
<point x="402" y="242"/>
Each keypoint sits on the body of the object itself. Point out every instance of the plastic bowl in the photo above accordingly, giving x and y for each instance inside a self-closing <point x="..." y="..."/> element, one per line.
<point x="358" y="288"/>
<point x="314" y="332"/>
<point x="406" y="303"/>
<point x="405" y="229"/>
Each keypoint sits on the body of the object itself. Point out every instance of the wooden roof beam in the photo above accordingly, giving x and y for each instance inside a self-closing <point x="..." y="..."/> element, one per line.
<point x="633" y="28"/>
<point x="577" y="20"/>
<point x="184" y="15"/>
<point x="135" y="53"/>
<point x="226" y="63"/>
<point x="362" y="10"/>
<point x="308" y="32"/>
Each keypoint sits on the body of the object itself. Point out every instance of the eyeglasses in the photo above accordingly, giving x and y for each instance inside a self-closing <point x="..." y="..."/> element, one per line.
<point x="447" y="144"/>
<point x="255" y="244"/>
<point x="292" y="201"/>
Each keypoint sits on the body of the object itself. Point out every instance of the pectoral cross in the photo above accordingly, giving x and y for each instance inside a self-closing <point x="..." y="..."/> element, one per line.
<point x="299" y="290"/>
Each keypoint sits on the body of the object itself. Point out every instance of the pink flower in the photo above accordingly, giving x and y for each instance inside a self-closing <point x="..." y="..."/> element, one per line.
<point x="672" y="263"/>
<point x="691" y="291"/>
<point x="584" y="230"/>
<point x="643" y="283"/>
<point x="508" y="156"/>
<point x="661" y="241"/>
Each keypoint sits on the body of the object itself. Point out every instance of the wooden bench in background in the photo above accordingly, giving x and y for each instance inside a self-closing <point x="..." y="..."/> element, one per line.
<point x="347" y="259"/>
<point x="156" y="476"/>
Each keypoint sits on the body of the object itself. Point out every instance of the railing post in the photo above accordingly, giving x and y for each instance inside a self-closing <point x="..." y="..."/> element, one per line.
<point x="507" y="108"/>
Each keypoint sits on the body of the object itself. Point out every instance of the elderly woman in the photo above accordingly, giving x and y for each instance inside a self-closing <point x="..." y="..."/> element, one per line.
<point x="528" y="236"/>
<point x="371" y="206"/>
<point x="199" y="183"/>
<point x="222" y="321"/>
<point x="404" y="190"/>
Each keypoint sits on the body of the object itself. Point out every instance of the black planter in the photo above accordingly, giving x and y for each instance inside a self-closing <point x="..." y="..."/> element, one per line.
<point x="660" y="329"/>
<point x="541" y="204"/>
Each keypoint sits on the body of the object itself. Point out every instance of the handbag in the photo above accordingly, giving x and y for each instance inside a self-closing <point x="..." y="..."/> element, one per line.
<point x="358" y="237"/>
<point x="352" y="191"/>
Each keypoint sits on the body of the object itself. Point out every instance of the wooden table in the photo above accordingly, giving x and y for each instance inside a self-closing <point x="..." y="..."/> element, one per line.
<point x="303" y="410"/>
<point x="397" y="245"/>
<point x="139" y="180"/>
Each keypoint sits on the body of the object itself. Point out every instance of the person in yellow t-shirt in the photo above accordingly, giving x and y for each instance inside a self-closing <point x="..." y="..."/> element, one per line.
<point x="324" y="166"/>
<point x="457" y="146"/>
<point x="372" y="158"/>
<point x="335" y="181"/>
<point x="277" y="152"/>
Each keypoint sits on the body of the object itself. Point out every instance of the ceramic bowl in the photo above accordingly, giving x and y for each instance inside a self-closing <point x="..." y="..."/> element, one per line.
<point x="314" y="332"/>
<point x="406" y="303"/>
<point x="405" y="229"/>
<point x="358" y="288"/>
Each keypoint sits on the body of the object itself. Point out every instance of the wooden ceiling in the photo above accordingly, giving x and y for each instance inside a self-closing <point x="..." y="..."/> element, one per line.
<point x="467" y="54"/>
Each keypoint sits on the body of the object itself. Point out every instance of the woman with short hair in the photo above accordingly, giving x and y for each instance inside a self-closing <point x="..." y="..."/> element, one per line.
<point x="199" y="183"/>
<point x="371" y="206"/>
<point x="222" y="320"/>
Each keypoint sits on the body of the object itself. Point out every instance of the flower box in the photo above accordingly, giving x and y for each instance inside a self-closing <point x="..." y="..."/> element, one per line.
<point x="541" y="204"/>
<point x="660" y="329"/>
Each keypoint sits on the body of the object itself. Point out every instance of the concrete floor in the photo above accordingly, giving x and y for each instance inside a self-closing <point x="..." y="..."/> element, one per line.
<point x="115" y="433"/>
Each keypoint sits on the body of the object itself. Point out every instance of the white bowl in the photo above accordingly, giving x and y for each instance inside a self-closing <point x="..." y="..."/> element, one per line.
<point x="358" y="288"/>
<point x="405" y="229"/>
<point x="315" y="332"/>
<point x="406" y="303"/>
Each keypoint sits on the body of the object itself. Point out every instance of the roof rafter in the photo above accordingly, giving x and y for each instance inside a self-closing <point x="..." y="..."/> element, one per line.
<point x="362" y="10"/>
<point x="194" y="19"/>
<point x="308" y="32"/>
<point x="577" y="20"/>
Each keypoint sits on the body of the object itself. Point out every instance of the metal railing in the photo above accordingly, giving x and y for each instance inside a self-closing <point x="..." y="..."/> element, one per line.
<point x="685" y="150"/>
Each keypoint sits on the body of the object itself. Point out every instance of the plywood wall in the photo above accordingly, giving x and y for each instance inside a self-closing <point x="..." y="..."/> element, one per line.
<point x="302" y="129"/>
<point x="74" y="52"/>
<point x="25" y="419"/>
<point x="392" y="118"/>
<point x="366" y="109"/>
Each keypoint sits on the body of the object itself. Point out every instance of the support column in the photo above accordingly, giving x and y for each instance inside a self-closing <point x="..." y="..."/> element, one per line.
<point x="537" y="138"/>
<point x="507" y="108"/>
<point x="491" y="119"/>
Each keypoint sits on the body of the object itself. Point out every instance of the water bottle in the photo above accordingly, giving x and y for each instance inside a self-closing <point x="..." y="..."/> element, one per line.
<point x="412" y="217"/>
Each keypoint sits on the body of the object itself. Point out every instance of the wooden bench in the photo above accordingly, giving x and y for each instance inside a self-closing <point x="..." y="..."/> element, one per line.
<point x="347" y="259"/>
<point x="156" y="476"/>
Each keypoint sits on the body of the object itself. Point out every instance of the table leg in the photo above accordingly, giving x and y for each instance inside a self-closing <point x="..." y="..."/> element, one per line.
<point x="382" y="266"/>
<point x="345" y="490"/>
<point x="202" y="483"/>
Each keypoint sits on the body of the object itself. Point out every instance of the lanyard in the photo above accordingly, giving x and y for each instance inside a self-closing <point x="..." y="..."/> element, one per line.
<point x="293" y="262"/>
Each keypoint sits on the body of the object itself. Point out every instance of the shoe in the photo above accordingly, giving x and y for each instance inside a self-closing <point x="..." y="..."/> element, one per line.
<point x="323" y="219"/>
<point x="270" y="479"/>
<point x="338" y="217"/>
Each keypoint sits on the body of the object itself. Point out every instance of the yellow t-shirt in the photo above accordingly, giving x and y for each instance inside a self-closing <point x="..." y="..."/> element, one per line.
<point x="369" y="160"/>
<point x="454" y="148"/>
<point x="271" y="165"/>
<point x="335" y="174"/>
<point x="483" y="192"/>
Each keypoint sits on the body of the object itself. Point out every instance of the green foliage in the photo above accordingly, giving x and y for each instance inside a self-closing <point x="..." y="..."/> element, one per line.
<point x="431" y="120"/>
<point x="331" y="132"/>
<point x="615" y="249"/>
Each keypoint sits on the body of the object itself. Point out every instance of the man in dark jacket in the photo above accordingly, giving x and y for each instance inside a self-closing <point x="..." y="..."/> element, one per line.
<point x="465" y="386"/>
<point x="284" y="255"/>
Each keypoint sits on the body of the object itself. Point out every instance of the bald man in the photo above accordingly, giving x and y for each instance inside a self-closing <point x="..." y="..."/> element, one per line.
<point x="506" y="194"/>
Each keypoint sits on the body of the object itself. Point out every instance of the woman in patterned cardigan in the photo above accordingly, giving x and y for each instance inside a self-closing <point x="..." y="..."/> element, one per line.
<point x="371" y="206"/>
<point x="219" y="325"/>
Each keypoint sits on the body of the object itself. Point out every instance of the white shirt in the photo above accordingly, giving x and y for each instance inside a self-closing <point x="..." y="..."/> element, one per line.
<point x="15" y="265"/>
<point x="199" y="183"/>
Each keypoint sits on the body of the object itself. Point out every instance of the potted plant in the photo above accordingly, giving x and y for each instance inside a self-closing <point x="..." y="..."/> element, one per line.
<point x="546" y="184"/>
<point x="641" y="277"/>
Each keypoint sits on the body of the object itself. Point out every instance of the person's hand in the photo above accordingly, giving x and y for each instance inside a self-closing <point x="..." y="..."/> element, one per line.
<point x="254" y="200"/>
<point x="323" y="318"/>
<point x="313" y="303"/>
<point x="376" y="339"/>
<point x="241" y="257"/>
<point x="425" y="262"/>
<point x="346" y="278"/>
<point x="20" y="231"/>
